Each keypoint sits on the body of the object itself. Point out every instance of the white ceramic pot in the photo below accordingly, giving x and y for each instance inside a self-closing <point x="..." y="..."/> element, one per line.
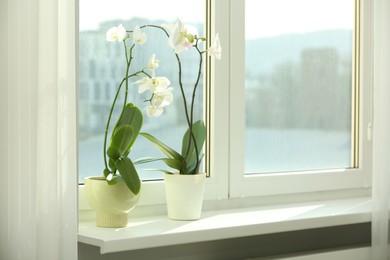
<point x="184" y="194"/>
<point x="111" y="202"/>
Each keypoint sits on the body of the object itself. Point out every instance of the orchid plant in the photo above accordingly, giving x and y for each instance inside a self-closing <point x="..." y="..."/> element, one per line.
<point x="118" y="166"/>
<point x="181" y="38"/>
<point x="125" y="132"/>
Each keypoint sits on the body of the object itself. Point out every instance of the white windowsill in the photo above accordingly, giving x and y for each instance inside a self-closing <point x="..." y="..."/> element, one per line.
<point x="157" y="230"/>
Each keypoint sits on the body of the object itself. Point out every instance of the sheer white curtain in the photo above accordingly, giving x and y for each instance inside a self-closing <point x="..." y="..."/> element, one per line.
<point x="381" y="155"/>
<point x="38" y="183"/>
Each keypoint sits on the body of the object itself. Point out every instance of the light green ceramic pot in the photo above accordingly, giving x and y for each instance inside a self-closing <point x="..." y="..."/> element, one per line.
<point x="111" y="202"/>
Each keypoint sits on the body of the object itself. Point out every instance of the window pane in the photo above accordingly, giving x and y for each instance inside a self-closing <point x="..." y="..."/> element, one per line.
<point x="102" y="67"/>
<point x="298" y="85"/>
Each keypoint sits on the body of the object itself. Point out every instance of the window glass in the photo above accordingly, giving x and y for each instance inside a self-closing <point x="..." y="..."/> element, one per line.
<point x="298" y="85"/>
<point x="102" y="67"/>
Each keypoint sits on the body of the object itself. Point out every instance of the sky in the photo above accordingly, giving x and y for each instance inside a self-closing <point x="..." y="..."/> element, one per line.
<point x="94" y="11"/>
<point x="264" y="18"/>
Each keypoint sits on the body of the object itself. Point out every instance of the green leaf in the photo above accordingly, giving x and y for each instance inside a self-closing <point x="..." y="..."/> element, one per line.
<point x="113" y="153"/>
<point x="121" y="142"/>
<point x="146" y="160"/>
<point x="159" y="170"/>
<point x="132" y="116"/>
<point x="165" y="171"/>
<point x="199" y="132"/>
<point x="106" y="172"/>
<point x="111" y="163"/>
<point x="129" y="174"/>
<point x="163" y="147"/>
<point x="192" y="168"/>
<point x="171" y="162"/>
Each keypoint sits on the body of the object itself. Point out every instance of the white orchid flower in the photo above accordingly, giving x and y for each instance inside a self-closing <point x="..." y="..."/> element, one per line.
<point x="160" y="83"/>
<point x="162" y="97"/>
<point x="116" y="34"/>
<point x="139" y="37"/>
<point x="153" y="63"/>
<point x="144" y="84"/>
<point x="152" y="84"/>
<point x="181" y="37"/>
<point x="215" y="49"/>
<point x="154" y="111"/>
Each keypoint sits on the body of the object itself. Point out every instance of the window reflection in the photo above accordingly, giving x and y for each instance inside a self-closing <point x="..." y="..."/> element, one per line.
<point x="298" y="86"/>
<point x="101" y="68"/>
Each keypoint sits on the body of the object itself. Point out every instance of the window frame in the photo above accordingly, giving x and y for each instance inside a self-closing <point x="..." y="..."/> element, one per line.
<point x="242" y="185"/>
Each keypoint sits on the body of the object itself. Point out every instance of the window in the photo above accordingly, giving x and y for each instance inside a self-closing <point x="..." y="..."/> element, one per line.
<point x="299" y="106"/>
<point x="299" y="85"/>
<point x="290" y="101"/>
<point x="102" y="68"/>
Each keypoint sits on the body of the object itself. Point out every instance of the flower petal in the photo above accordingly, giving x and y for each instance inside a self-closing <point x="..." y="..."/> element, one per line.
<point x="116" y="34"/>
<point x="144" y="84"/>
<point x="215" y="49"/>
<point x="162" y="97"/>
<point x="139" y="37"/>
<point x="180" y="38"/>
<point x="153" y="111"/>
<point x="121" y="33"/>
<point x="153" y="63"/>
<point x="111" y="34"/>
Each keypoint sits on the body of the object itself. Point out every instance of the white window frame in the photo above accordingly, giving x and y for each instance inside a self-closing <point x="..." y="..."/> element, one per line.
<point x="306" y="181"/>
<point x="226" y="123"/>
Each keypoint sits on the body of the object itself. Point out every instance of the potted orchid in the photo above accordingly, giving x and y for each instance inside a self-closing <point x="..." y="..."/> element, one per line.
<point x="184" y="183"/>
<point x="116" y="192"/>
